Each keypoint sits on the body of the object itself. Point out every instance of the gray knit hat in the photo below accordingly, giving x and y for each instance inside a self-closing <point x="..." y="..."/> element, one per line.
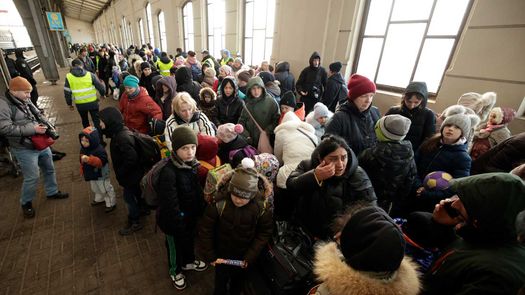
<point x="394" y="127"/>
<point x="245" y="180"/>
<point x="463" y="122"/>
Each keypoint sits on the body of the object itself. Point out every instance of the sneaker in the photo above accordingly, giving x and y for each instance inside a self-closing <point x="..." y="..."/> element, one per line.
<point x="179" y="281"/>
<point x="197" y="265"/>
<point x="130" y="228"/>
<point x="59" y="195"/>
<point x="111" y="209"/>
<point x="95" y="203"/>
<point x="28" y="210"/>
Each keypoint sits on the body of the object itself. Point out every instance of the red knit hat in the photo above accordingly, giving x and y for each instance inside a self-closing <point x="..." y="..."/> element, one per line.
<point x="359" y="85"/>
<point x="19" y="84"/>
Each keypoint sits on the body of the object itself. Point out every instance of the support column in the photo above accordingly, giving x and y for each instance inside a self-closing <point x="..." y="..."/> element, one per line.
<point x="33" y="17"/>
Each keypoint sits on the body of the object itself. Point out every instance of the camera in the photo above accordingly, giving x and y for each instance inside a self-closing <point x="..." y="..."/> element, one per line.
<point x="315" y="92"/>
<point x="51" y="131"/>
<point x="451" y="211"/>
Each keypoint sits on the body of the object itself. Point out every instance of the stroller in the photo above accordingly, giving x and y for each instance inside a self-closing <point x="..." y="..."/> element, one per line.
<point x="7" y="160"/>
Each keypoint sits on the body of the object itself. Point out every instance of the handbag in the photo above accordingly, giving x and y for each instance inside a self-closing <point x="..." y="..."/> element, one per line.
<point x="263" y="146"/>
<point x="41" y="141"/>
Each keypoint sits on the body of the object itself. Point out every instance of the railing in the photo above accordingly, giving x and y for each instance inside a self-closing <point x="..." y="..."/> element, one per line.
<point x="33" y="63"/>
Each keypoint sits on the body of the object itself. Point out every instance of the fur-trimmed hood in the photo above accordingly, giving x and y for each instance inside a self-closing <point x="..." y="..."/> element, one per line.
<point x="340" y="279"/>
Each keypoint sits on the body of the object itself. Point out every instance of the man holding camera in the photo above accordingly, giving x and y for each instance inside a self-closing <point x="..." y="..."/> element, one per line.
<point x="20" y="120"/>
<point x="312" y="82"/>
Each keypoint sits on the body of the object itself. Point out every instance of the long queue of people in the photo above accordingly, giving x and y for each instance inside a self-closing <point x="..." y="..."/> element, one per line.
<point x="245" y="149"/>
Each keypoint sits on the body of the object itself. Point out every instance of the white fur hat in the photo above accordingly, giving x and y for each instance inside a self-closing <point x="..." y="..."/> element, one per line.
<point x="481" y="104"/>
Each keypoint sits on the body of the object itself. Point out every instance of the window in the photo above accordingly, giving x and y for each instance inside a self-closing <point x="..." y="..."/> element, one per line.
<point x="125" y="32"/>
<point x="162" y="31"/>
<point x="131" y="37"/>
<point x="150" y="25"/>
<point x="141" y="31"/>
<point x="216" y="18"/>
<point x="258" y="30"/>
<point x="409" y="40"/>
<point x="187" y="26"/>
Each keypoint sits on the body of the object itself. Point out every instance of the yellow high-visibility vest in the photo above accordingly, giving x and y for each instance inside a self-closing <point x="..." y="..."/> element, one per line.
<point x="164" y="68"/>
<point x="82" y="88"/>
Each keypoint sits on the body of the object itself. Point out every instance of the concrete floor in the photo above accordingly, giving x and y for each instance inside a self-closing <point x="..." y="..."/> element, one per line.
<point x="70" y="247"/>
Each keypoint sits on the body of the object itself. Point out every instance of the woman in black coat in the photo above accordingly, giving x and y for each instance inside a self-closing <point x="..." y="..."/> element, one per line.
<point x="326" y="185"/>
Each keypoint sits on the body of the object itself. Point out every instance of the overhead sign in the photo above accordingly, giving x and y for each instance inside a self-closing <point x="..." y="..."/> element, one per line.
<point x="55" y="21"/>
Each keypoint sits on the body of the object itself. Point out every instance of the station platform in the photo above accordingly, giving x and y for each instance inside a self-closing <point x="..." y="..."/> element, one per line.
<point x="70" y="247"/>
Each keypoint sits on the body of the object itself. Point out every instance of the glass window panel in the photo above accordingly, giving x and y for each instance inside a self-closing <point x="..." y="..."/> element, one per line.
<point x="268" y="49"/>
<point x="270" y="19"/>
<point x="141" y="30"/>
<point x="433" y="61"/>
<point x="248" y="42"/>
<point x="150" y="25"/>
<point x="369" y="58"/>
<point x="187" y="13"/>
<point x="378" y="17"/>
<point x="259" y="41"/>
<point x="399" y="56"/>
<point x="259" y="7"/>
<point x="248" y="25"/>
<point x="162" y="30"/>
<point x="447" y="17"/>
<point x="411" y="9"/>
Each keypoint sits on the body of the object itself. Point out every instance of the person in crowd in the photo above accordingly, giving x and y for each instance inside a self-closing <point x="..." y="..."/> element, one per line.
<point x="493" y="132"/>
<point x="355" y="119"/>
<point x="26" y="72"/>
<point x="19" y="121"/>
<point x="208" y="104"/>
<point x="504" y="157"/>
<point x="264" y="67"/>
<point x="390" y="164"/>
<point x="194" y="65"/>
<point x="224" y="71"/>
<point x="237" y="64"/>
<point x="232" y="145"/>
<point x="111" y="66"/>
<point x="185" y="113"/>
<point x="446" y="151"/>
<point x="237" y="227"/>
<point x="11" y="66"/>
<point x="414" y="106"/>
<point x="146" y="78"/>
<point x="229" y="105"/>
<point x="326" y="184"/>
<point x="476" y="232"/>
<point x="94" y="166"/>
<point x="207" y="149"/>
<point x="81" y="88"/>
<point x="271" y="87"/>
<point x="262" y="107"/>
<point x="209" y="78"/>
<point x="336" y="90"/>
<point x="288" y="104"/>
<point x="312" y="82"/>
<point x="213" y="62"/>
<point x="180" y="53"/>
<point x="368" y="257"/>
<point x="123" y="63"/>
<point x="285" y="78"/>
<point x="243" y="77"/>
<point x="181" y="203"/>
<point x="318" y="119"/>
<point x="137" y="106"/>
<point x="165" y="91"/>
<point x="185" y="83"/>
<point x="87" y="64"/>
<point x="102" y="66"/>
<point x="225" y="56"/>
<point x="164" y="64"/>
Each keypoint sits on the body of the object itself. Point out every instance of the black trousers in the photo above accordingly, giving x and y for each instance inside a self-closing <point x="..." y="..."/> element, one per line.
<point x="232" y="275"/>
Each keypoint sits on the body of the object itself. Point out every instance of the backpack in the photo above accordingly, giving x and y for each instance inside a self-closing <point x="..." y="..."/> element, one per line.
<point x="196" y="72"/>
<point x="150" y="181"/>
<point x="246" y="152"/>
<point x="147" y="149"/>
<point x="214" y="176"/>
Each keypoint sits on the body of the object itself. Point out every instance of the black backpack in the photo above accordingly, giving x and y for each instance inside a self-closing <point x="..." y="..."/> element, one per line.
<point x="147" y="149"/>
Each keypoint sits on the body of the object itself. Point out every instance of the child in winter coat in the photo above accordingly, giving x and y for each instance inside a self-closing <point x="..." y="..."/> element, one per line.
<point x="208" y="104"/>
<point x="493" y="132"/>
<point x="181" y="203"/>
<point x="207" y="149"/>
<point x="318" y="118"/>
<point x="237" y="227"/>
<point x="232" y="145"/>
<point x="210" y="78"/>
<point x="390" y="164"/>
<point x="94" y="166"/>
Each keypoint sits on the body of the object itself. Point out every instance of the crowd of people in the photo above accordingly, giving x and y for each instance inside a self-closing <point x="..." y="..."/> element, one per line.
<point x="244" y="147"/>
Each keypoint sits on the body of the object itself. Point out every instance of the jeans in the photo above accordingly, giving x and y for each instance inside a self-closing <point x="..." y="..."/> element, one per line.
<point x="132" y="196"/>
<point x="30" y="160"/>
<point x="94" y="118"/>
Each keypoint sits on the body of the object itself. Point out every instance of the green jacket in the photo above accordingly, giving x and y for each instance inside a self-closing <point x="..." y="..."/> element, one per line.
<point x="264" y="109"/>
<point x="487" y="259"/>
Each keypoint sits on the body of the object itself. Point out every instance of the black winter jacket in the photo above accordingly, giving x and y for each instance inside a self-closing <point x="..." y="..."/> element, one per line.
<point x="336" y="91"/>
<point x="312" y="76"/>
<point x="317" y="206"/>
<point x="504" y="157"/>
<point x="356" y="127"/>
<point x="229" y="109"/>
<point x="185" y="83"/>
<point x="285" y="78"/>
<point x="94" y="169"/>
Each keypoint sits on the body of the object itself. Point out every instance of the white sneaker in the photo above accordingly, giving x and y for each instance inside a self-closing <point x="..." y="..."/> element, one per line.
<point x="197" y="265"/>
<point x="179" y="281"/>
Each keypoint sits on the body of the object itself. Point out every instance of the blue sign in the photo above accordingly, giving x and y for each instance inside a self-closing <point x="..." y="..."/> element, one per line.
<point x="55" y="21"/>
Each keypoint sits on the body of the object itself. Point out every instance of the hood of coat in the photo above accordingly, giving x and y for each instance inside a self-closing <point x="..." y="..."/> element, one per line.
<point x="314" y="55"/>
<point x="165" y="59"/>
<point x="183" y="75"/>
<point x="255" y="81"/>
<point x="273" y="89"/>
<point x="492" y="200"/>
<point x="169" y="82"/>
<point x="421" y="88"/>
<point x="113" y="121"/>
<point x="207" y="91"/>
<point x="93" y="137"/>
<point x="283" y="66"/>
<point x="291" y="123"/>
<point x="340" y="278"/>
<point x="231" y="80"/>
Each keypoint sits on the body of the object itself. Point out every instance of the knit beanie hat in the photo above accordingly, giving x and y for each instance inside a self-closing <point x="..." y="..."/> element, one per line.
<point x="207" y="148"/>
<point x="335" y="67"/>
<point x="371" y="241"/>
<point x="481" y="104"/>
<point x="245" y="180"/>
<point x="503" y="115"/>
<point x="392" y="128"/>
<point x="320" y="110"/>
<point x="229" y="131"/>
<point x="463" y="122"/>
<point x="288" y="99"/>
<point x="182" y="136"/>
<point x="145" y="65"/>
<point x="131" y="81"/>
<point x="359" y="85"/>
<point x="266" y="77"/>
<point x="20" y="84"/>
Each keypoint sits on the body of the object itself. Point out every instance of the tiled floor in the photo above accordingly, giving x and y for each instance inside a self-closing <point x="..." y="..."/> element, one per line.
<point x="71" y="247"/>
